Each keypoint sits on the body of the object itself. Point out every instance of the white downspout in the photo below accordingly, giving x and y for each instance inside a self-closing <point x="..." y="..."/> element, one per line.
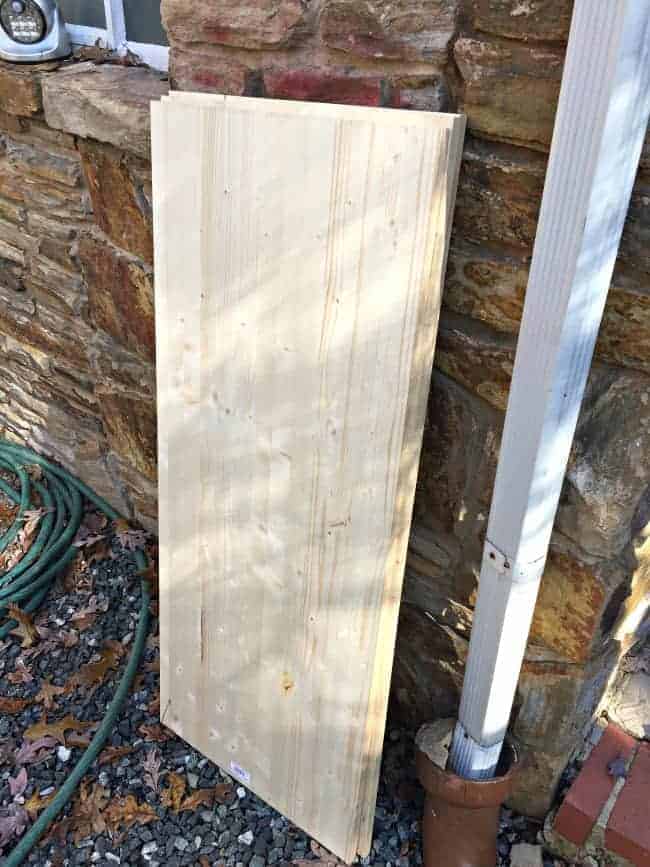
<point x="599" y="130"/>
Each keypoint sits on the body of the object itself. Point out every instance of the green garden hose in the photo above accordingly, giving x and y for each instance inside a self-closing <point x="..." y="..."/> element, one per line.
<point x="27" y="583"/>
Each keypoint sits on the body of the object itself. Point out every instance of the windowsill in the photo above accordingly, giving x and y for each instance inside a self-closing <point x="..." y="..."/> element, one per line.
<point x="107" y="102"/>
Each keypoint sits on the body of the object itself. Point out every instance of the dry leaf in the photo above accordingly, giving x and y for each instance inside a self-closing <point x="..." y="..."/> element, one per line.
<point x="223" y="792"/>
<point x="25" y="628"/>
<point x="48" y="692"/>
<point x="35" y="472"/>
<point x="127" y="811"/>
<point x="18" y="784"/>
<point x="95" y="521"/>
<point x="151" y="766"/>
<point x="93" y="674"/>
<point x="12" y="823"/>
<point x="86" y="537"/>
<point x="128" y="537"/>
<point x="172" y="796"/>
<point x="31" y="519"/>
<point x="99" y="551"/>
<point x="199" y="798"/>
<point x="303" y="862"/>
<point x="85" y="617"/>
<point x="7" y="513"/>
<point x="56" y="730"/>
<point x="77" y="579"/>
<point x="7" y="747"/>
<point x="325" y="857"/>
<point x="21" y="674"/>
<point x="155" y="733"/>
<point x="204" y="861"/>
<point x="36" y="803"/>
<point x="153" y="707"/>
<point x="150" y="575"/>
<point x="68" y="637"/>
<point x="32" y="753"/>
<point x="87" y="816"/>
<point x="113" y="754"/>
<point x="13" y="705"/>
<point x="80" y="741"/>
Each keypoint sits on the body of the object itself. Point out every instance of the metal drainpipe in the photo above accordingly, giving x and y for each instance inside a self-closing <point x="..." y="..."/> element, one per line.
<point x="600" y="126"/>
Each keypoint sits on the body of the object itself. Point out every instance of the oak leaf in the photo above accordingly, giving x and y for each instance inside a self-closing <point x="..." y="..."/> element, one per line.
<point x="172" y="796"/>
<point x="127" y="811"/>
<point x="25" y="628"/>
<point x="151" y="765"/>
<point x="86" y="616"/>
<point x="128" y="537"/>
<point x="21" y="674"/>
<point x="18" y="784"/>
<point x="200" y="798"/>
<point x="95" y="521"/>
<point x="32" y="753"/>
<point x="93" y="674"/>
<point x="13" y="705"/>
<point x="48" y="692"/>
<point x="113" y="754"/>
<point x="31" y="519"/>
<point x="13" y="822"/>
<point x="86" y="537"/>
<point x="154" y="733"/>
<point x="57" y="729"/>
<point x="7" y="514"/>
<point x="223" y="792"/>
<point x="36" y="803"/>
<point x="87" y="816"/>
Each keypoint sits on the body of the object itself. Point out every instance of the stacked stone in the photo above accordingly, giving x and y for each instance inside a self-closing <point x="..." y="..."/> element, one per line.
<point x="510" y="57"/>
<point x="76" y="287"/>
<point x="76" y="313"/>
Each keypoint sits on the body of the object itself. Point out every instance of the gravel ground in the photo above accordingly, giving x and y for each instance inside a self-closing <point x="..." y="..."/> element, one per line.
<point x="227" y="826"/>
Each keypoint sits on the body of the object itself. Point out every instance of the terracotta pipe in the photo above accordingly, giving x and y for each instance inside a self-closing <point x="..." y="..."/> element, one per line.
<point x="461" y="817"/>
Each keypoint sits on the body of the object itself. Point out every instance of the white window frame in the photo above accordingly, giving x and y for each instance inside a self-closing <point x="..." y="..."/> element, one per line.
<point x="114" y="37"/>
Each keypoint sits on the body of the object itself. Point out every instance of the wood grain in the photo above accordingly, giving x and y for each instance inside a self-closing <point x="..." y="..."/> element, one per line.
<point x="300" y="251"/>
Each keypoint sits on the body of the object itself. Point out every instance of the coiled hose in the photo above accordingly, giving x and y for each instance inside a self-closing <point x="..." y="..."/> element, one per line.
<point x="28" y="582"/>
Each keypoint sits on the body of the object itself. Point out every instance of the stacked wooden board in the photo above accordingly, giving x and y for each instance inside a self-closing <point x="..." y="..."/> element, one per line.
<point x="300" y="253"/>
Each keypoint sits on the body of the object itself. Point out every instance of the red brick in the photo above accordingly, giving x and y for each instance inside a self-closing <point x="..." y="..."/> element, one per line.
<point x="628" y="830"/>
<point x="586" y="798"/>
<point x="192" y="69"/>
<point x="324" y="86"/>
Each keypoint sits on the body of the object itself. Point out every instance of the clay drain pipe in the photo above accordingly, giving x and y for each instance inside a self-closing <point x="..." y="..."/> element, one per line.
<point x="461" y="817"/>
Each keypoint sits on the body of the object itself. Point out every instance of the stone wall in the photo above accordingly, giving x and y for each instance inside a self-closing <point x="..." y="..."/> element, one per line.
<point x="77" y="330"/>
<point x="76" y="285"/>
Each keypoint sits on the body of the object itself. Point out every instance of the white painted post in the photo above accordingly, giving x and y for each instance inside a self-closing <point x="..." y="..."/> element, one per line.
<point x="599" y="130"/>
<point x="115" y="25"/>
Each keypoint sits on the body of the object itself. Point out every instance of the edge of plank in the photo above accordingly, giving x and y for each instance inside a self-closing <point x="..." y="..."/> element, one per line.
<point x="419" y="386"/>
<point x="297" y="108"/>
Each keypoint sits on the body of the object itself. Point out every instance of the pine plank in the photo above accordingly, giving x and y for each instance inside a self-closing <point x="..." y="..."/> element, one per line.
<point x="300" y="252"/>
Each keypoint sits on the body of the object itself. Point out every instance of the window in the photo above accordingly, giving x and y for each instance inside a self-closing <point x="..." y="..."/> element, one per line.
<point x="133" y="25"/>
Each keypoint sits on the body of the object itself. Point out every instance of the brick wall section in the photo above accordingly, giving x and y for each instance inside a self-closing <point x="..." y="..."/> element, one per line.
<point x="76" y="320"/>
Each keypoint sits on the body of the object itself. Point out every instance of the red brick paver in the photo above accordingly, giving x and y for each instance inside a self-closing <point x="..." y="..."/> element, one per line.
<point x="588" y="794"/>
<point x="628" y="829"/>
